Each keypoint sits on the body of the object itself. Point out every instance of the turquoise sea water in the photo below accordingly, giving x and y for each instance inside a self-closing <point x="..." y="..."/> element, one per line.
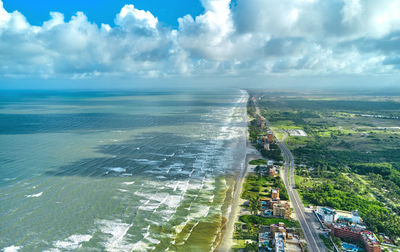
<point x="117" y="171"/>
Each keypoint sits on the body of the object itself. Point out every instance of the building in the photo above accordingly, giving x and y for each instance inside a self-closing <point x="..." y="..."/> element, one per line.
<point x="371" y="243"/>
<point x="279" y="234"/>
<point x="263" y="241"/>
<point x="327" y="215"/>
<point x="264" y="202"/>
<point x="344" y="231"/>
<point x="275" y="194"/>
<point x="357" y="233"/>
<point x="281" y="209"/>
<point x="277" y="228"/>
<point x="261" y="140"/>
<point x="280" y="242"/>
<point x="270" y="136"/>
<point x="272" y="172"/>
<point x="260" y="122"/>
<point x="274" y="206"/>
<point x="355" y="217"/>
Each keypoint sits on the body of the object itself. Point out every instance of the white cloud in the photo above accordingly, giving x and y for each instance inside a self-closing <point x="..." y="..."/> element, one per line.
<point x="259" y="37"/>
<point x="130" y="16"/>
<point x="208" y="35"/>
<point x="4" y="15"/>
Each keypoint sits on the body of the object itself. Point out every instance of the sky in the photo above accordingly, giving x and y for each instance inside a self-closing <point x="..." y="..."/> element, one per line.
<point x="133" y="43"/>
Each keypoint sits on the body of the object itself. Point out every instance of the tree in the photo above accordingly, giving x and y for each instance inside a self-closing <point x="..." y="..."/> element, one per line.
<point x="254" y="205"/>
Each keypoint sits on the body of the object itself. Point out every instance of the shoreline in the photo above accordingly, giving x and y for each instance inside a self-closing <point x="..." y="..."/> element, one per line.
<point x="227" y="236"/>
<point x="228" y="230"/>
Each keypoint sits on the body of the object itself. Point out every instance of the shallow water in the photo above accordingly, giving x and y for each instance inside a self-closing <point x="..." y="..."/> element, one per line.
<point x="120" y="171"/>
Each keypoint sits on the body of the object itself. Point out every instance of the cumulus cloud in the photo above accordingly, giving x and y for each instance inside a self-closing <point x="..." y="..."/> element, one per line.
<point x="214" y="27"/>
<point x="262" y="37"/>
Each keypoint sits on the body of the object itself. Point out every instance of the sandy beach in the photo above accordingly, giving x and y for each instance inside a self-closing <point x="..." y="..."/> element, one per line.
<point x="227" y="240"/>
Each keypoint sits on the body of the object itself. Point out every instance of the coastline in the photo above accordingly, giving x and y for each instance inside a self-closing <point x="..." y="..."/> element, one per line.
<point x="233" y="217"/>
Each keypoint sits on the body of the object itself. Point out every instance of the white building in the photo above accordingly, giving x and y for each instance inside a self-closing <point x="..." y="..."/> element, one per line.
<point x="355" y="217"/>
<point x="327" y="215"/>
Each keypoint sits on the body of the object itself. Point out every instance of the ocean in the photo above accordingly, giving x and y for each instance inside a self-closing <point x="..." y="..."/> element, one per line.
<point x="118" y="171"/>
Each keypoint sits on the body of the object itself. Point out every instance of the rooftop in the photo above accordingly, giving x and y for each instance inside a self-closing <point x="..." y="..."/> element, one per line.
<point x="327" y="211"/>
<point x="370" y="237"/>
<point x="279" y="242"/>
<point x="353" y="228"/>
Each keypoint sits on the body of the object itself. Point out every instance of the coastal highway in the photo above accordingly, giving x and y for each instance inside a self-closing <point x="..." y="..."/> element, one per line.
<point x="306" y="220"/>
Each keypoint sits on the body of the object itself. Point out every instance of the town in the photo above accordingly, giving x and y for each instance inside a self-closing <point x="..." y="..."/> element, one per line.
<point x="268" y="211"/>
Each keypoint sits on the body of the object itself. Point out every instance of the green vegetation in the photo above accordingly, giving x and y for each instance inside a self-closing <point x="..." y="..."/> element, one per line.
<point x="326" y="241"/>
<point x="351" y="155"/>
<point x="273" y="153"/>
<point x="257" y="220"/>
<point x="374" y="213"/>
<point x="258" y="162"/>
<point x="256" y="186"/>
<point x="255" y="131"/>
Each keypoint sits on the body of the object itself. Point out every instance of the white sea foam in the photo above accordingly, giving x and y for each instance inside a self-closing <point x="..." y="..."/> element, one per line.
<point x="151" y="207"/>
<point x="73" y="242"/>
<point x="147" y="231"/>
<point x="140" y="246"/>
<point x="152" y="240"/>
<point x="210" y="198"/>
<point x="9" y="179"/>
<point x="115" y="233"/>
<point x="145" y="161"/>
<point x="181" y="185"/>
<point x="173" y="201"/>
<point x="174" y="167"/>
<point x="126" y="174"/>
<point x="12" y="248"/>
<point x="117" y="169"/>
<point x="155" y="223"/>
<point x="167" y="214"/>
<point x="34" y="195"/>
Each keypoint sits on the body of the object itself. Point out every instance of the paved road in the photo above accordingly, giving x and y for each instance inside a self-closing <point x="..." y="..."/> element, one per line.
<point x="306" y="220"/>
